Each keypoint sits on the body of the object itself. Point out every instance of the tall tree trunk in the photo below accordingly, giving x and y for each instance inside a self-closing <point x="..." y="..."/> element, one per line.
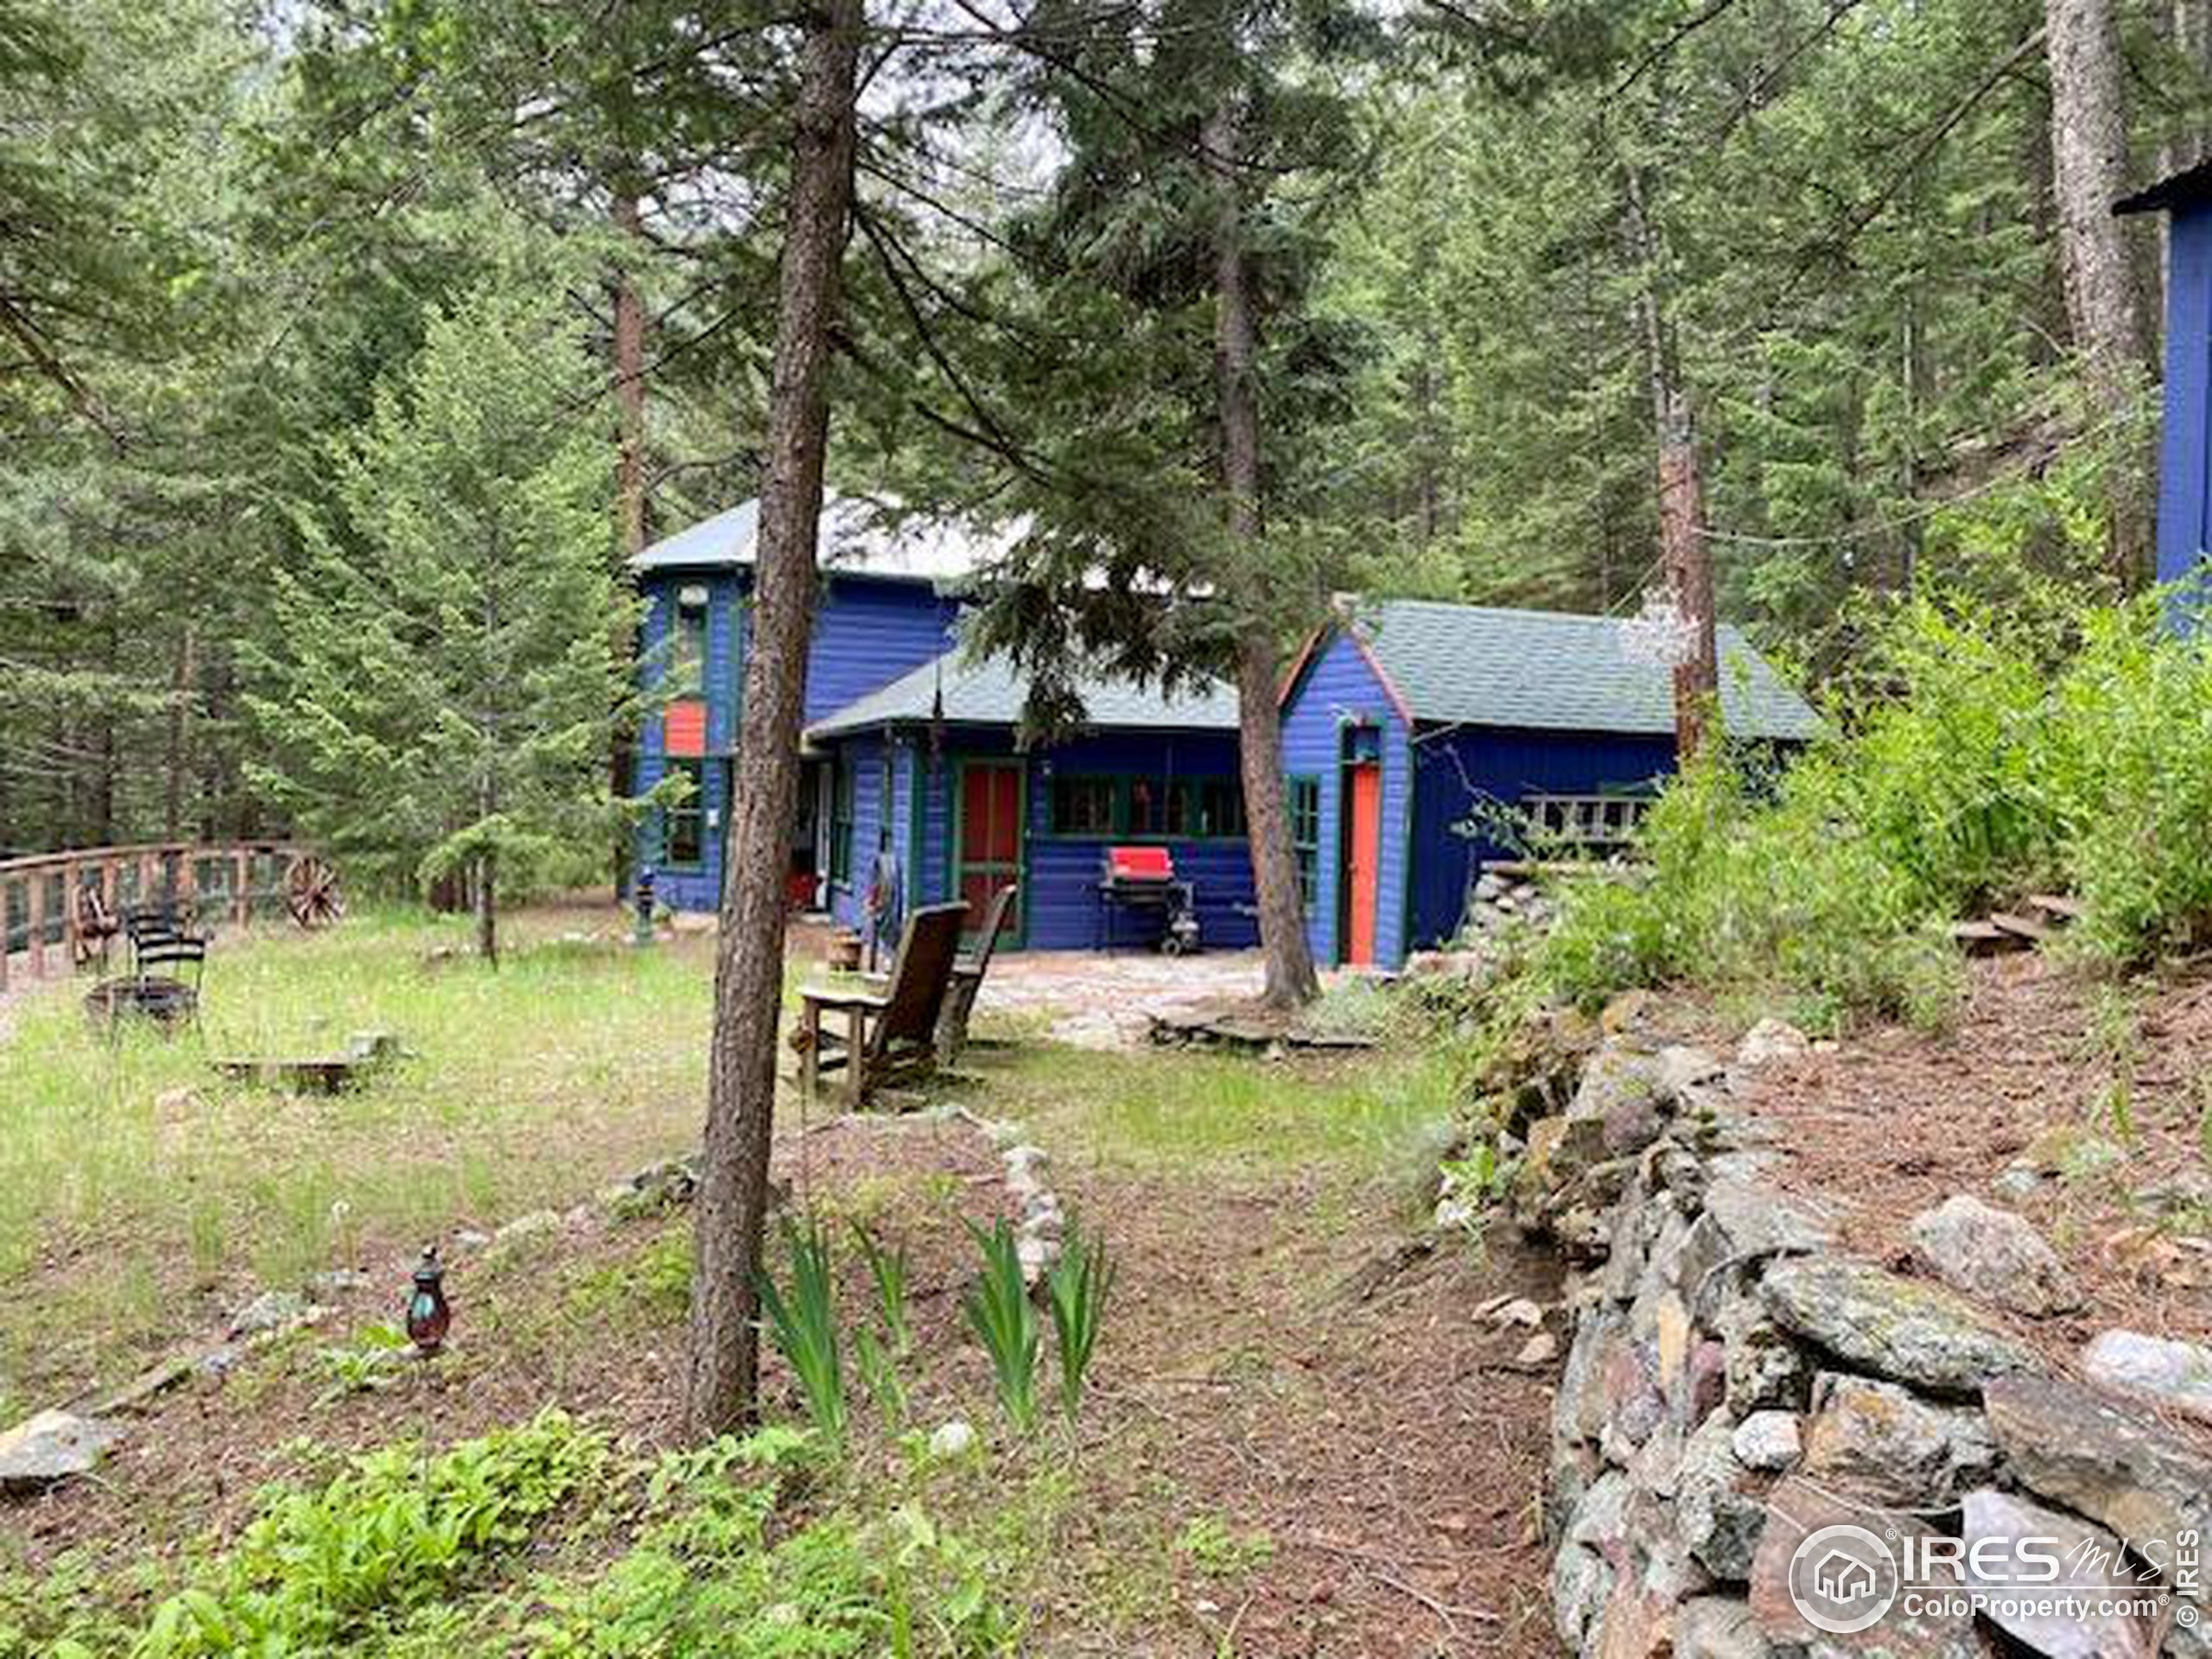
<point x="178" y="761"/>
<point x="629" y="390"/>
<point x="724" y="1360"/>
<point x="629" y="486"/>
<point x="1291" y="981"/>
<point x="1682" y="545"/>
<point x="488" y="907"/>
<point x="2089" y="146"/>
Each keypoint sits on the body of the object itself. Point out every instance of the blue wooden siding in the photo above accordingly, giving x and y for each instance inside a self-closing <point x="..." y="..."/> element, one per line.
<point x="1338" y="690"/>
<point x="906" y="778"/>
<point x="865" y="756"/>
<point x="867" y="634"/>
<point x="934" y="858"/>
<point x="1064" y="908"/>
<point x="1458" y="771"/>
<point x="2185" y="461"/>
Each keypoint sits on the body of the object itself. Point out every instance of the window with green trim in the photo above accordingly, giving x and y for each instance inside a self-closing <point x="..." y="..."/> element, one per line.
<point x="683" y="825"/>
<point x="1306" y="837"/>
<point x="687" y="653"/>
<point x="841" y="826"/>
<point x="1153" y="807"/>
<point x="1217" y="807"/>
<point x="1084" y="806"/>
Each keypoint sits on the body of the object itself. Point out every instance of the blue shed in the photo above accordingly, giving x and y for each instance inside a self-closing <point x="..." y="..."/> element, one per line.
<point x="2186" y="451"/>
<point x="942" y="779"/>
<point x="1412" y="728"/>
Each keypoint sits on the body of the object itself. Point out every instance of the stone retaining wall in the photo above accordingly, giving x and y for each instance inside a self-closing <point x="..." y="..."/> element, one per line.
<point x="1735" y="1383"/>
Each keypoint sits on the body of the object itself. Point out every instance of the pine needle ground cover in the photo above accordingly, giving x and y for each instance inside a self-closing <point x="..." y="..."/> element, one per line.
<point x="144" y="1197"/>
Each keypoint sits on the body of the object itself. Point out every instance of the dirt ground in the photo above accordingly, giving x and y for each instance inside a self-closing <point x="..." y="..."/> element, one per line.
<point x="1303" y="1440"/>
<point x="2104" y="1088"/>
<point x="1364" y="1452"/>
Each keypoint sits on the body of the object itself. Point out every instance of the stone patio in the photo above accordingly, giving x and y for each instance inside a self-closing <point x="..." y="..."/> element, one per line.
<point x="1106" y="1000"/>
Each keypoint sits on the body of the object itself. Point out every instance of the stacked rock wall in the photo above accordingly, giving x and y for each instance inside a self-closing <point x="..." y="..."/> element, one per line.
<point x="1736" y="1381"/>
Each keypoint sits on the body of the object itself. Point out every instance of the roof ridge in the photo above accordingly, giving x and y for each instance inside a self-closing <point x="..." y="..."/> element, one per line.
<point x="1532" y="612"/>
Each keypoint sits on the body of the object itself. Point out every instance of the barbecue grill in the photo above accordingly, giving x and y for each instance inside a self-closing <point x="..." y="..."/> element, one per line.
<point x="1142" y="880"/>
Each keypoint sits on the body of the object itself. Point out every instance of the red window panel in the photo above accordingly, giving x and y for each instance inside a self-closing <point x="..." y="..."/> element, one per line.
<point x="684" y="729"/>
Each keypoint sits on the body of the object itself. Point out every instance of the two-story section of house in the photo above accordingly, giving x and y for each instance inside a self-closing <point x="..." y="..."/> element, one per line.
<point x="885" y="606"/>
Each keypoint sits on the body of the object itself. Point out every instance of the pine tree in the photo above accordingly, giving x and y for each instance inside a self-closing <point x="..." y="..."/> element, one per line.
<point x="440" y="698"/>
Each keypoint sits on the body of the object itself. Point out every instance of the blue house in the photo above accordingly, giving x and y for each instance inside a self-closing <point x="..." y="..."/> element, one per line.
<point x="2185" y="452"/>
<point x="911" y="750"/>
<point x="885" y="605"/>
<point x="931" y="767"/>
<point x="1410" y="728"/>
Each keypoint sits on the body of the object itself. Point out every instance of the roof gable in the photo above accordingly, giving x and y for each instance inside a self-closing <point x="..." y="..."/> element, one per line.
<point x="1480" y="665"/>
<point x="854" y="539"/>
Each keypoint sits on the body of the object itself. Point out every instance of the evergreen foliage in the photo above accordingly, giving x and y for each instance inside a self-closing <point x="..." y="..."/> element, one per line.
<point x="440" y="688"/>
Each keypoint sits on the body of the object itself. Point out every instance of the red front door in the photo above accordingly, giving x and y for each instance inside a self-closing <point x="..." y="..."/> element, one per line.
<point x="990" y="837"/>
<point x="1362" y="858"/>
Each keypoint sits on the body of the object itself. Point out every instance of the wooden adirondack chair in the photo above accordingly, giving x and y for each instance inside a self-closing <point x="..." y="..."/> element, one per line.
<point x="968" y="973"/>
<point x="890" y="1034"/>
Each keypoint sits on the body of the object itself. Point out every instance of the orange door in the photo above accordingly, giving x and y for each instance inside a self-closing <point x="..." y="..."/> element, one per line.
<point x="1362" y="858"/>
<point x="990" y="837"/>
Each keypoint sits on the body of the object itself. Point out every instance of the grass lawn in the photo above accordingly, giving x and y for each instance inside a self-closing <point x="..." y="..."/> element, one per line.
<point x="1264" y="1464"/>
<point x="143" y="1196"/>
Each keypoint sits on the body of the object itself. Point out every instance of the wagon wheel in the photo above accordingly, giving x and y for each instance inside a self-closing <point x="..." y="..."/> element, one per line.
<point x="311" y="892"/>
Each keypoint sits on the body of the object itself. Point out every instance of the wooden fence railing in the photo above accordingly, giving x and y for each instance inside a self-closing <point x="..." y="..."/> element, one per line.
<point x="40" y="911"/>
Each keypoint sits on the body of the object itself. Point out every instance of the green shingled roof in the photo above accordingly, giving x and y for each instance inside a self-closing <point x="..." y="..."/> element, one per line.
<point x="991" y="693"/>
<point x="1477" y="665"/>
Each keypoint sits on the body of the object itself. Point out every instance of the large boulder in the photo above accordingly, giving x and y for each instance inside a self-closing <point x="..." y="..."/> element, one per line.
<point x="1992" y="1254"/>
<point x="1626" y="1092"/>
<point x="1745" y="1223"/>
<point x="1993" y="1528"/>
<point x="1877" y="1441"/>
<point x="55" y="1445"/>
<point x="2076" y="1448"/>
<point x="1896" y="1328"/>
<point x="2174" y="1375"/>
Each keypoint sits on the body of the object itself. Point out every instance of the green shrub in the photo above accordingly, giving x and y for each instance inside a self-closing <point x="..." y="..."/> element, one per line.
<point x="392" y="1534"/>
<point x="1970" y="759"/>
<point x="705" y="1580"/>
